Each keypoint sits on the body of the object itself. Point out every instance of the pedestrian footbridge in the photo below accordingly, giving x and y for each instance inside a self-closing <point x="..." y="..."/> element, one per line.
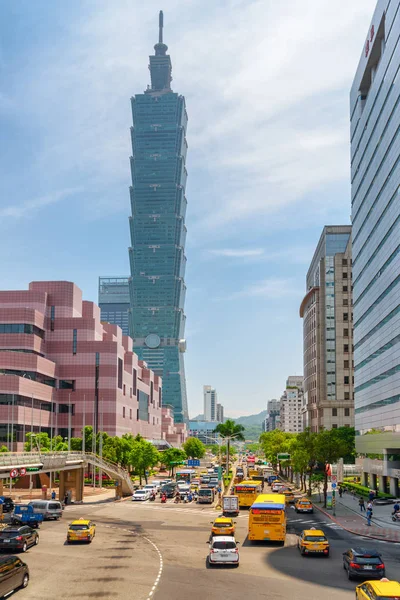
<point x="65" y="463"/>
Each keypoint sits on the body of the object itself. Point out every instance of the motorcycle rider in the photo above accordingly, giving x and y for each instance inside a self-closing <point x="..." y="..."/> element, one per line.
<point x="396" y="508"/>
<point x="164" y="497"/>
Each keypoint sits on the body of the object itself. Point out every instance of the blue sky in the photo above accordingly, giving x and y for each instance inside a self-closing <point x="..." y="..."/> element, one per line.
<point x="266" y="85"/>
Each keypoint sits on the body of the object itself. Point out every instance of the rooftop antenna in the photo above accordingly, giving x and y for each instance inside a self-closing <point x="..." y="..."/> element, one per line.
<point x="160" y="27"/>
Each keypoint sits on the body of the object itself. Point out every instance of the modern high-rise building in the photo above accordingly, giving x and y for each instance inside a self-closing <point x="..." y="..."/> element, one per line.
<point x="157" y="227"/>
<point x="210" y="403"/>
<point x="272" y="420"/>
<point x="220" y="413"/>
<point x="375" y="177"/>
<point x="327" y="315"/>
<point x="114" y="301"/>
<point x="290" y="419"/>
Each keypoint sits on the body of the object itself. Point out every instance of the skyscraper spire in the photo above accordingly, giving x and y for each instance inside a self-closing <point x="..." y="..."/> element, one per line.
<point x="160" y="27"/>
<point x="160" y="64"/>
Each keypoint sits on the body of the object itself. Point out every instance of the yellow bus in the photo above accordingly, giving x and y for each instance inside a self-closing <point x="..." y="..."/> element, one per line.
<point x="247" y="492"/>
<point x="267" y="519"/>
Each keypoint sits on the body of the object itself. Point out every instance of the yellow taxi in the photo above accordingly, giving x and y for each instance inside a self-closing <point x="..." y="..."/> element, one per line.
<point x="81" y="530"/>
<point x="382" y="589"/>
<point x="289" y="496"/>
<point x="313" y="541"/>
<point x="223" y="526"/>
<point x="303" y="506"/>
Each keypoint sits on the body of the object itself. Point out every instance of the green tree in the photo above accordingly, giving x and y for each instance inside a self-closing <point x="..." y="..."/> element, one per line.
<point x="37" y="440"/>
<point x="307" y="441"/>
<point x="194" y="448"/>
<point x="274" y="443"/>
<point x="172" y="457"/>
<point x="143" y="456"/>
<point x="330" y="446"/>
<point x="230" y="431"/>
<point x="224" y="450"/>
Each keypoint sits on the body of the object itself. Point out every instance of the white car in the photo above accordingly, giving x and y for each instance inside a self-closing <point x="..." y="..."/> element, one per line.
<point x="182" y="485"/>
<point x="141" y="495"/>
<point x="157" y="485"/>
<point x="150" y="487"/>
<point x="223" y="551"/>
<point x="277" y="487"/>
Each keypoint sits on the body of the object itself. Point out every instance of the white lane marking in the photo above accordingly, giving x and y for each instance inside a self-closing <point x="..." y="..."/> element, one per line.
<point x="160" y="570"/>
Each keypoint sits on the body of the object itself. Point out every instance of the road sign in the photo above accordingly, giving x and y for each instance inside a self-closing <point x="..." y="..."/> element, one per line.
<point x="334" y="478"/>
<point x="193" y="462"/>
<point x="13" y="473"/>
<point x="334" y="485"/>
<point x="32" y="469"/>
<point x="283" y="456"/>
<point x="22" y="471"/>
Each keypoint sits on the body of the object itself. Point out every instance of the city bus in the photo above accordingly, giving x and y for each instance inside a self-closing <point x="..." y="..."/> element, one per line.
<point x="247" y="492"/>
<point x="267" y="519"/>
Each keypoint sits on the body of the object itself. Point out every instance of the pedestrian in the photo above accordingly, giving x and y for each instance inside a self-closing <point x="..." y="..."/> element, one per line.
<point x="53" y="495"/>
<point x="369" y="505"/>
<point x="66" y="499"/>
<point x="369" y="516"/>
<point x="340" y="491"/>
<point x="371" y="495"/>
<point x="362" y="504"/>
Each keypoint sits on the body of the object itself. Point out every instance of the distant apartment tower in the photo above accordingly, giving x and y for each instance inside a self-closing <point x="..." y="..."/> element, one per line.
<point x="272" y="419"/>
<point x="375" y="178"/>
<point x="290" y="405"/>
<point x="327" y="316"/>
<point x="114" y="301"/>
<point x="210" y="403"/>
<point x="220" y="413"/>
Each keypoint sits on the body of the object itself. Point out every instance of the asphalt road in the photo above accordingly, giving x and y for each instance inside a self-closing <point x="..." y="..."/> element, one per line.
<point x="122" y="561"/>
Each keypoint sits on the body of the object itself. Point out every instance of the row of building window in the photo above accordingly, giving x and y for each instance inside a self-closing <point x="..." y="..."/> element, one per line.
<point x="378" y="352"/>
<point x="21" y="328"/>
<point x="377" y="378"/>
<point x="378" y="326"/>
<point x="378" y="404"/>
<point x="378" y="274"/>
<point x="381" y="243"/>
<point x="387" y="291"/>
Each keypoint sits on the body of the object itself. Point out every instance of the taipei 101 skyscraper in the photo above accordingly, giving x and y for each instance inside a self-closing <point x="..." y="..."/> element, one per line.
<point x="157" y="227"/>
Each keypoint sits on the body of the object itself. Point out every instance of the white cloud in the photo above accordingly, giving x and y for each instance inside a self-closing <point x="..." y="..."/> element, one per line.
<point x="30" y="206"/>
<point x="237" y="253"/>
<point x="266" y="85"/>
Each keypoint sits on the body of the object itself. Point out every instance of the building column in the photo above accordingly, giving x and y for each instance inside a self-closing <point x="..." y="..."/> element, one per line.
<point x="373" y="480"/>
<point x="382" y="483"/>
<point x="394" y="486"/>
<point x="364" y="479"/>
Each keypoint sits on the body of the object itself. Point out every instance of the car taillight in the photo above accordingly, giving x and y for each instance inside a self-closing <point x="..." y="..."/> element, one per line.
<point x="19" y="538"/>
<point x="354" y="565"/>
<point x="380" y="566"/>
<point x="212" y="551"/>
<point x="236" y="550"/>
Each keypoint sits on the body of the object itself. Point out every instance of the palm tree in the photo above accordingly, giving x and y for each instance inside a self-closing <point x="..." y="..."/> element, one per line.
<point x="229" y="430"/>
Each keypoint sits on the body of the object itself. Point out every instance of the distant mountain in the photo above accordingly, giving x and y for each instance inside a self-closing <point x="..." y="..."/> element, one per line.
<point x="251" y="419"/>
<point x="198" y="418"/>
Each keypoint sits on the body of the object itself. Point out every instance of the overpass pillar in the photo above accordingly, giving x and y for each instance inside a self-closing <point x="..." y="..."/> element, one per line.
<point x="72" y="480"/>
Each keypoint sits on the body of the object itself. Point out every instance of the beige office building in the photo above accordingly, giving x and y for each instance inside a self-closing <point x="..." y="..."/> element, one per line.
<point x="327" y="316"/>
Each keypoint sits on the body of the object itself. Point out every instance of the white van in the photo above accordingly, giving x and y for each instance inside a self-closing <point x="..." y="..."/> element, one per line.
<point x="50" y="509"/>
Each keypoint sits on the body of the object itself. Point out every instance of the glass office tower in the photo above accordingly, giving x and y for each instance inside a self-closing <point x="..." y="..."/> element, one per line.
<point x="114" y="301"/>
<point x="375" y="176"/>
<point x="157" y="226"/>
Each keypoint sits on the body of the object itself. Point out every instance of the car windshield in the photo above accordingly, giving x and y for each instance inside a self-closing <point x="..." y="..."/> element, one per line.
<point x="363" y="560"/>
<point x="315" y="538"/>
<point x="140" y="493"/>
<point x="304" y="502"/>
<point x="78" y="527"/>
<point x="222" y="524"/>
<point x="224" y="545"/>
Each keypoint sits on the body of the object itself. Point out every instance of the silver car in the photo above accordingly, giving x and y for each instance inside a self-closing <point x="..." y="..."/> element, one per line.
<point x="223" y="551"/>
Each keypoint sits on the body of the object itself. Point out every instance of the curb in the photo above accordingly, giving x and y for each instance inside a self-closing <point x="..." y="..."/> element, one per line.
<point x="373" y="537"/>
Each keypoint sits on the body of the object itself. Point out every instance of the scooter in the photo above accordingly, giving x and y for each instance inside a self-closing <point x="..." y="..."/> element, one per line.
<point x="396" y="516"/>
<point x="163" y="499"/>
<point x="152" y="497"/>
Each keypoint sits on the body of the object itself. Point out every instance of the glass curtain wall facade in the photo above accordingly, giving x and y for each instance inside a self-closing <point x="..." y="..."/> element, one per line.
<point x="114" y="301"/>
<point x="375" y="173"/>
<point x="158" y="231"/>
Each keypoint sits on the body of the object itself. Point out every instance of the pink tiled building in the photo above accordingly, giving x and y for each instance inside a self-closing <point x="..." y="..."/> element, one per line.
<point x="61" y="368"/>
<point x="174" y="433"/>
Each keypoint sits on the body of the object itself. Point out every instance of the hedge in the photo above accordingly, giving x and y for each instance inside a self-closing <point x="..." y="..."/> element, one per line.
<point x="362" y="490"/>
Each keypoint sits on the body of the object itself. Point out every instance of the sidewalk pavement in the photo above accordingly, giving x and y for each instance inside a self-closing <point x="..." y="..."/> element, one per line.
<point x="349" y="517"/>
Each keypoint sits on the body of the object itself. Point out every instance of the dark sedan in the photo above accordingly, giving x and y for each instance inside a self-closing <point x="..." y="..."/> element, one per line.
<point x="18" y="538"/>
<point x="8" y="504"/>
<point x="363" y="562"/>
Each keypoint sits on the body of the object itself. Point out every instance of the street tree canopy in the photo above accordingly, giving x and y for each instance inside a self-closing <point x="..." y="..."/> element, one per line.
<point x="194" y="448"/>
